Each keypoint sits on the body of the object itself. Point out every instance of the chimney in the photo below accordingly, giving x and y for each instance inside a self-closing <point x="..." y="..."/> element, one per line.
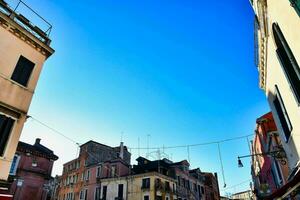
<point x="37" y="141"/>
<point x="122" y="150"/>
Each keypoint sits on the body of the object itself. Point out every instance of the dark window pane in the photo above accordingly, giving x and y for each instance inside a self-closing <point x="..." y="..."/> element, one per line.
<point x="22" y="71"/>
<point x="120" y="191"/>
<point x="282" y="115"/>
<point x="104" y="192"/>
<point x="288" y="61"/>
<point x="6" y="125"/>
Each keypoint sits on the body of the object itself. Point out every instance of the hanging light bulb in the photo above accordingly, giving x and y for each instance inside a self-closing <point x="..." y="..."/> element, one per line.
<point x="240" y="164"/>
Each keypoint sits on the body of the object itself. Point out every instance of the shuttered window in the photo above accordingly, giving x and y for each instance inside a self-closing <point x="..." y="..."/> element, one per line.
<point x="6" y="125"/>
<point x="22" y="71"/>
<point x="296" y="5"/>
<point x="282" y="115"/>
<point x="288" y="61"/>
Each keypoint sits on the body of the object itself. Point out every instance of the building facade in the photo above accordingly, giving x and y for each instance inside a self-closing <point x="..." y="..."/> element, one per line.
<point x="186" y="183"/>
<point x="81" y="177"/>
<point x="277" y="45"/>
<point x="23" y="50"/>
<point x="31" y="171"/>
<point x="268" y="173"/>
<point x="245" y="195"/>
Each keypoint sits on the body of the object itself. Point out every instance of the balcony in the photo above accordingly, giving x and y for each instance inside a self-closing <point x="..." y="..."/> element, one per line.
<point x="14" y="95"/>
<point x="12" y="13"/>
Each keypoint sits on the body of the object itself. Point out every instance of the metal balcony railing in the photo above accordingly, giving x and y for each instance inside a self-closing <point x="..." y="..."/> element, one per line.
<point x="13" y="13"/>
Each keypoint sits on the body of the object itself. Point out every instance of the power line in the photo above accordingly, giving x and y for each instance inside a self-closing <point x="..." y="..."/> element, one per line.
<point x="147" y="148"/>
<point x="168" y="147"/>
<point x="198" y="144"/>
<point x="54" y="130"/>
<point x="238" y="184"/>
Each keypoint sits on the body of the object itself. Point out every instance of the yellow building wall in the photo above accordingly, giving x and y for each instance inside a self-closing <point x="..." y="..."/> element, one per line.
<point x="281" y="12"/>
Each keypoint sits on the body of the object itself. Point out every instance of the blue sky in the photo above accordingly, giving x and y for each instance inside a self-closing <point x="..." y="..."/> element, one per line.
<point x="181" y="71"/>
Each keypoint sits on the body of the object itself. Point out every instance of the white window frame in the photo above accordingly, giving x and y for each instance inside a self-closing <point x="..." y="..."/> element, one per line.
<point x="99" y="171"/>
<point x="95" y="193"/>
<point x="82" y="194"/>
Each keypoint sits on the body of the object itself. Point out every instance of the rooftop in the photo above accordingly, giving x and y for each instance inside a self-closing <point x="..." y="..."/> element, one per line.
<point x="36" y="149"/>
<point x="13" y="14"/>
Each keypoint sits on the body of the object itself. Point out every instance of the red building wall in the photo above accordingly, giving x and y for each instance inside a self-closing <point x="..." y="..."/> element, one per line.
<point x="33" y="172"/>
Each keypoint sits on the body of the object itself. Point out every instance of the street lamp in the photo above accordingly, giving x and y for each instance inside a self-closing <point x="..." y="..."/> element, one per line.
<point x="240" y="164"/>
<point x="278" y="155"/>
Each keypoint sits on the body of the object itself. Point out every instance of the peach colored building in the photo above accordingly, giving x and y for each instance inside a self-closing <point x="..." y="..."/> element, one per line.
<point x="23" y="50"/>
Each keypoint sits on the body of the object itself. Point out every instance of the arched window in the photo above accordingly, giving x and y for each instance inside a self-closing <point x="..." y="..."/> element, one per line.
<point x="288" y="61"/>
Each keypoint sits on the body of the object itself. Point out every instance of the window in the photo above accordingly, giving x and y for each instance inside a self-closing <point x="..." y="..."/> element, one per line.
<point x="6" y="125"/>
<point x="83" y="194"/>
<point x="202" y="189"/>
<point x="282" y="114"/>
<point x="288" y="61"/>
<point x="22" y="71"/>
<point x="98" y="173"/>
<point x="296" y="5"/>
<point x="167" y="186"/>
<point x="87" y="177"/>
<point x="70" y="196"/>
<point x="146" y="197"/>
<point x="104" y="192"/>
<point x="34" y="162"/>
<point x="113" y="171"/>
<point x="14" y="165"/>
<point x="146" y="183"/>
<point x="276" y="173"/>
<point x="97" y="193"/>
<point x="120" y="191"/>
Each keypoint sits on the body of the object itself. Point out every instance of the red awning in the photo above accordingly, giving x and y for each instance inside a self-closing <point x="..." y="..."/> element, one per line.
<point x="286" y="189"/>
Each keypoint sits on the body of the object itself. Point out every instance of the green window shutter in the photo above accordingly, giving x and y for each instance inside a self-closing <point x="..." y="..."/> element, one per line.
<point x="296" y="5"/>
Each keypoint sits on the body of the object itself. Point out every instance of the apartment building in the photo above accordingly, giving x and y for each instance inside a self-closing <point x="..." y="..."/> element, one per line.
<point x="31" y="171"/>
<point x="186" y="184"/>
<point x="81" y="177"/>
<point x="277" y="53"/>
<point x="268" y="173"/>
<point x="24" y="48"/>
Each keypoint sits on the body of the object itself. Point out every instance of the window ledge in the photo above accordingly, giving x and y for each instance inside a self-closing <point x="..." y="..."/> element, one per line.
<point x="16" y="83"/>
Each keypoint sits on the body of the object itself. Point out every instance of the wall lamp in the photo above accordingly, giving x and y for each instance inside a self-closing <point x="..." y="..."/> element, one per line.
<point x="278" y="155"/>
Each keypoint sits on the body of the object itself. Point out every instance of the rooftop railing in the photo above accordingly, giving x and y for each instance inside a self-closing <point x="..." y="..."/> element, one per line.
<point x="14" y="14"/>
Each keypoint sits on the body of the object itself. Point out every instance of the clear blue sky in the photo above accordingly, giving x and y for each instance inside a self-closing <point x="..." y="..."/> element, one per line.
<point x="181" y="71"/>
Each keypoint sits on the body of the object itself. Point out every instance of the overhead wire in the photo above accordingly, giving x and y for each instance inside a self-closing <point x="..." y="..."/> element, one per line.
<point x="164" y="147"/>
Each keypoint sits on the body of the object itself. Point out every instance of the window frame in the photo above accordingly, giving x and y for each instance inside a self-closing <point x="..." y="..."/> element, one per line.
<point x="104" y="197"/>
<point x="97" y="189"/>
<point x="11" y="130"/>
<point x="15" y="76"/>
<point x="291" y="68"/>
<point x="147" y="183"/>
<point x="284" y="113"/>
